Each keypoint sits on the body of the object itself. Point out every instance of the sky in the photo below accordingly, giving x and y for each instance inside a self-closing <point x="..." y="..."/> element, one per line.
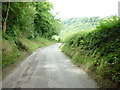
<point x="84" y="8"/>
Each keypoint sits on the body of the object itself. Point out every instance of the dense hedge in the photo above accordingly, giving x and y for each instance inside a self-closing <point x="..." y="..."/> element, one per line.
<point x="102" y="44"/>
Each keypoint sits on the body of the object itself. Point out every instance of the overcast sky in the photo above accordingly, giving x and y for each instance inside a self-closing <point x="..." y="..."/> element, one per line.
<point x="85" y="8"/>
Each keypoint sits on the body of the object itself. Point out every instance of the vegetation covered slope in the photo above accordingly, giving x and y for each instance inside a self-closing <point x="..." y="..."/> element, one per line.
<point x="26" y="26"/>
<point x="76" y="24"/>
<point x="98" y="49"/>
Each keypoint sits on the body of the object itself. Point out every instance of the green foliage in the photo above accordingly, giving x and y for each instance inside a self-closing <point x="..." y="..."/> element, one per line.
<point x="45" y="24"/>
<point x="101" y="44"/>
<point x="20" y="19"/>
<point x="56" y="38"/>
<point x="30" y="19"/>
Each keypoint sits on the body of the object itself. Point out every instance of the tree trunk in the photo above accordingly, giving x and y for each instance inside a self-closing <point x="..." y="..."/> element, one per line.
<point x="4" y="24"/>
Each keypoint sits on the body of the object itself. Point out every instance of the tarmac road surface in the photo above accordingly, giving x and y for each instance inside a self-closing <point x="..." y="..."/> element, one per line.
<point x="48" y="67"/>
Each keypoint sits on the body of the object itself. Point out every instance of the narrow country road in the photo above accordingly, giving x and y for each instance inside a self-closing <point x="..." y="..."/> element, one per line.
<point x="48" y="67"/>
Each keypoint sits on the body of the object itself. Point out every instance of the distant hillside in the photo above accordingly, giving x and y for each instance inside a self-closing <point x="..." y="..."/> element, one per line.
<point x="75" y="24"/>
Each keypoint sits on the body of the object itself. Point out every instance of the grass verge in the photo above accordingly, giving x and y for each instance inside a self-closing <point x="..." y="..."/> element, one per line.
<point x="80" y="59"/>
<point x="14" y="50"/>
